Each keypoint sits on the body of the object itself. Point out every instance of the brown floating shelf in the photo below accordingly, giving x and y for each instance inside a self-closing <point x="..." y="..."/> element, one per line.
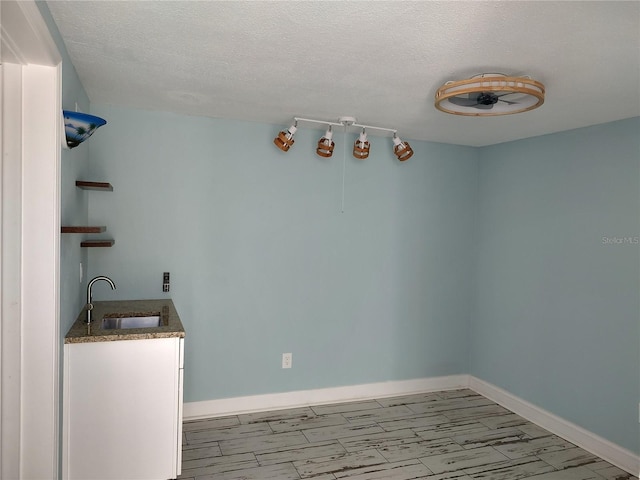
<point x="107" y="187"/>
<point x="83" y="229"/>
<point x="97" y="243"/>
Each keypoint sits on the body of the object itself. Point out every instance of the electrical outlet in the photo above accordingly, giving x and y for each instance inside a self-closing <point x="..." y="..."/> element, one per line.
<point x="287" y="359"/>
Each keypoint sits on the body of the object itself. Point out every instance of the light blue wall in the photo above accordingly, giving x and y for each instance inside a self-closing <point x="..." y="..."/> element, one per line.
<point x="263" y="262"/>
<point x="74" y="205"/>
<point x="74" y="202"/>
<point x="557" y="311"/>
<point x="408" y="282"/>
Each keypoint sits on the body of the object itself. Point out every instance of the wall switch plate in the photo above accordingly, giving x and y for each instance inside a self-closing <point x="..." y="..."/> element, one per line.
<point x="287" y="359"/>
<point x="165" y="282"/>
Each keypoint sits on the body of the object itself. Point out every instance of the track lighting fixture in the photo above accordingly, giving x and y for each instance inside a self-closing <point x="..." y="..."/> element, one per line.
<point x="325" y="144"/>
<point x="402" y="149"/>
<point x="325" y="147"/>
<point x="361" y="146"/>
<point x="284" y="140"/>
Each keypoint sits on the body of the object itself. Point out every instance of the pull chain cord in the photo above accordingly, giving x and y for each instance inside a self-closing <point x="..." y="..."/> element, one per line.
<point x="344" y="163"/>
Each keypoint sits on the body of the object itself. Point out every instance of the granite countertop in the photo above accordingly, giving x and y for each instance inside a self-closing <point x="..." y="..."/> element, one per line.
<point x="171" y="326"/>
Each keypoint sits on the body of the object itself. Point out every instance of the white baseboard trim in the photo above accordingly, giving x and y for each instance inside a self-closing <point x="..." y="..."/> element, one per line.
<point x="571" y="432"/>
<point x="278" y="401"/>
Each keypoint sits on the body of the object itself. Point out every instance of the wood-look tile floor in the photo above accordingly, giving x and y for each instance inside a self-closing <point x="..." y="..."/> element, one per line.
<point x="454" y="434"/>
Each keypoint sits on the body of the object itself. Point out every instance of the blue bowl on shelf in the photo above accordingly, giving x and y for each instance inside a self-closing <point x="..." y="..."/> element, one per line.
<point x="80" y="126"/>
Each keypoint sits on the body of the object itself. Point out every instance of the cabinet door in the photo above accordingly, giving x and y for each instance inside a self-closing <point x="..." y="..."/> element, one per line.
<point x="180" y="409"/>
<point x="179" y="437"/>
<point x="121" y="409"/>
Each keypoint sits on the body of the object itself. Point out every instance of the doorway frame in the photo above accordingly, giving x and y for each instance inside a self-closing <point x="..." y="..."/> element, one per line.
<point x="30" y="105"/>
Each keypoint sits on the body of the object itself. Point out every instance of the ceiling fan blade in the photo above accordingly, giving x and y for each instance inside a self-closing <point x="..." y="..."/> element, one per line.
<point x="482" y="106"/>
<point x="464" y="102"/>
<point x="510" y="102"/>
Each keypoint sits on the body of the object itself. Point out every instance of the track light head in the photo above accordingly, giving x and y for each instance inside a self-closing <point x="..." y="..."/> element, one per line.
<point x="325" y="144"/>
<point x="284" y="140"/>
<point x="361" y="146"/>
<point x="402" y="149"/>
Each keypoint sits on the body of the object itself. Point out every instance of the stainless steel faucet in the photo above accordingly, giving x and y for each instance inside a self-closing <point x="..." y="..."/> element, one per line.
<point x="90" y="294"/>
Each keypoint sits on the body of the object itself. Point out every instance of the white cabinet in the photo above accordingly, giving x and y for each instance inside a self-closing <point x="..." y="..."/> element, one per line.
<point x="123" y="409"/>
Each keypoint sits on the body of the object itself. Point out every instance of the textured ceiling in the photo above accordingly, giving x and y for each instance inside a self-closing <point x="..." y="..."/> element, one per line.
<point x="381" y="61"/>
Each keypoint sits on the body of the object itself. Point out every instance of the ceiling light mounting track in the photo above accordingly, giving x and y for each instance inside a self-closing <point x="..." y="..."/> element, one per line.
<point x="361" y="147"/>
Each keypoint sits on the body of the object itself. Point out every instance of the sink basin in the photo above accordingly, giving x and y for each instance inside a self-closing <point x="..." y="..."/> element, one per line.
<point x="112" y="323"/>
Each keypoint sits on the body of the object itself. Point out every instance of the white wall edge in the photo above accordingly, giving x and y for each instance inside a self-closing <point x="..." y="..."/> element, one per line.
<point x="278" y="401"/>
<point x="40" y="325"/>
<point x="608" y="451"/>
